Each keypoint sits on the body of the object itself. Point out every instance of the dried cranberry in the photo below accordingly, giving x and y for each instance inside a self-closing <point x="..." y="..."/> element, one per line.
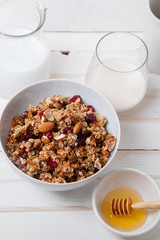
<point x="36" y="176"/>
<point x="49" y="136"/>
<point x="40" y="135"/>
<point x="75" y="97"/>
<point x="22" y="149"/>
<point x="90" y="107"/>
<point x="34" y="136"/>
<point x="41" y="114"/>
<point x="52" y="163"/>
<point x="81" y="140"/>
<point x="27" y="136"/>
<point x="23" y="136"/>
<point x="91" y="118"/>
<point x="66" y="130"/>
<point x="62" y="105"/>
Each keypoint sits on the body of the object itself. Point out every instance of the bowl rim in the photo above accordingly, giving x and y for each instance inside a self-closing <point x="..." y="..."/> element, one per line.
<point x="62" y="80"/>
<point x="104" y="223"/>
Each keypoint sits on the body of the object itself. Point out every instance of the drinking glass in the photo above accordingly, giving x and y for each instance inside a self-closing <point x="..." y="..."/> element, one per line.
<point x="118" y="69"/>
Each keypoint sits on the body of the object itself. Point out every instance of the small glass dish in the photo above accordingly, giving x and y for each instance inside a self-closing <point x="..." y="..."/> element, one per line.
<point x="132" y="178"/>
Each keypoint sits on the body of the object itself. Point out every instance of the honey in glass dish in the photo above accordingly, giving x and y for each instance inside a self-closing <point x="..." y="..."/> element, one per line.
<point x="124" y="223"/>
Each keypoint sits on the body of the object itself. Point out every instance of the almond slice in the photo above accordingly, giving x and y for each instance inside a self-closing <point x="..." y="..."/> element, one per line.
<point x="45" y="127"/>
<point x="77" y="127"/>
<point x="45" y="140"/>
<point x="37" y="143"/>
<point x="60" y="137"/>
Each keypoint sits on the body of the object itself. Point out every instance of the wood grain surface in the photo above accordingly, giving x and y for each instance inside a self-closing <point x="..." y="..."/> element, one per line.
<point x="72" y="31"/>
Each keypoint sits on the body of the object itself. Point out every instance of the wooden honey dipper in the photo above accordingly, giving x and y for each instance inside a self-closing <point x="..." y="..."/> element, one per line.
<point x="124" y="206"/>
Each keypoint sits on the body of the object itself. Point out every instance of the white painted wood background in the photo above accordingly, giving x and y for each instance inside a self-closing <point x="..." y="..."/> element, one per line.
<point x="27" y="212"/>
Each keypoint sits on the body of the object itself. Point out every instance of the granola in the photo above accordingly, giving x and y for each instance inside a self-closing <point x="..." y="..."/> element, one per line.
<point x="61" y="140"/>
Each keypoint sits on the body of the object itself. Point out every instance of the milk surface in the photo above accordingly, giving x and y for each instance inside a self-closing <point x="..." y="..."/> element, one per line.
<point x="123" y="89"/>
<point x="22" y="62"/>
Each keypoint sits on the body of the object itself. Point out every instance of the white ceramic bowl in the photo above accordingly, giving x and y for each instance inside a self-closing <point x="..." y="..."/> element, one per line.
<point x="34" y="94"/>
<point x="130" y="178"/>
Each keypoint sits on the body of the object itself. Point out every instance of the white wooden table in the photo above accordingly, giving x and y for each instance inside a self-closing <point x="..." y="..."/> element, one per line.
<point x="27" y="212"/>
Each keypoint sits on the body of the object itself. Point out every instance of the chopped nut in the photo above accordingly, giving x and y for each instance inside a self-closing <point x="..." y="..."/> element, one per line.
<point x="32" y="164"/>
<point x="45" y="140"/>
<point x="45" y="127"/>
<point x="49" y="116"/>
<point x="57" y="105"/>
<point x="37" y="143"/>
<point x="44" y="119"/>
<point x="60" y="137"/>
<point x="30" y="116"/>
<point x="77" y="127"/>
<point x="18" y="119"/>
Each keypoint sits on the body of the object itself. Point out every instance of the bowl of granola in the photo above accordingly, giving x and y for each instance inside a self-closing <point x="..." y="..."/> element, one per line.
<point x="59" y="134"/>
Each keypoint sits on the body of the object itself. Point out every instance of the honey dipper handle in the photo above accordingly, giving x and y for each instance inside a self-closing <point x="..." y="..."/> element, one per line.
<point x="146" y="205"/>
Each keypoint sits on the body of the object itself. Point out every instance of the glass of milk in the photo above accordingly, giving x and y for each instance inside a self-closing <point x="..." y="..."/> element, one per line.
<point x="24" y="54"/>
<point x="118" y="69"/>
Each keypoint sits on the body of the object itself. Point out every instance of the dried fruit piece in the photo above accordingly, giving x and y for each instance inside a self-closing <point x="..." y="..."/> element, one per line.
<point x="37" y="143"/>
<point x="81" y="140"/>
<point x="49" y="136"/>
<point x="90" y="107"/>
<point x="45" y="127"/>
<point x="66" y="130"/>
<point x="40" y="135"/>
<point x="41" y="114"/>
<point x="77" y="127"/>
<point x="45" y="140"/>
<point x="60" y="137"/>
<point x="91" y="118"/>
<point x="22" y="149"/>
<point x="18" y="119"/>
<point x="27" y="136"/>
<point x="52" y="163"/>
<point x="75" y="97"/>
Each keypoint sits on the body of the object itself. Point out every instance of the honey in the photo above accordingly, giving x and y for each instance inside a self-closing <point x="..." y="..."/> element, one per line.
<point x="124" y="223"/>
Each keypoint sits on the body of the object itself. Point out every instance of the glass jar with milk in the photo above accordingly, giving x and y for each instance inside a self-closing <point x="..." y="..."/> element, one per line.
<point x="118" y="69"/>
<point x="24" y="54"/>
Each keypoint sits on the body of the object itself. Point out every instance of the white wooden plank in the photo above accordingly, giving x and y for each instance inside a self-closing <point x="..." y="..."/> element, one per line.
<point x="140" y="134"/>
<point x="19" y="195"/>
<point x="95" y="15"/>
<point x="24" y="197"/>
<point x="76" y="41"/>
<point x="71" y="41"/>
<point x="75" y="63"/>
<point x="59" y="225"/>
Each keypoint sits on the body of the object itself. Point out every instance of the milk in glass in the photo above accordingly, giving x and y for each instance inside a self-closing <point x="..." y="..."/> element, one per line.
<point x="124" y="88"/>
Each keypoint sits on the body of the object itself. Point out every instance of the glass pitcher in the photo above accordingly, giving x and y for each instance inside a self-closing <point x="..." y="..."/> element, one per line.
<point x="24" y="54"/>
